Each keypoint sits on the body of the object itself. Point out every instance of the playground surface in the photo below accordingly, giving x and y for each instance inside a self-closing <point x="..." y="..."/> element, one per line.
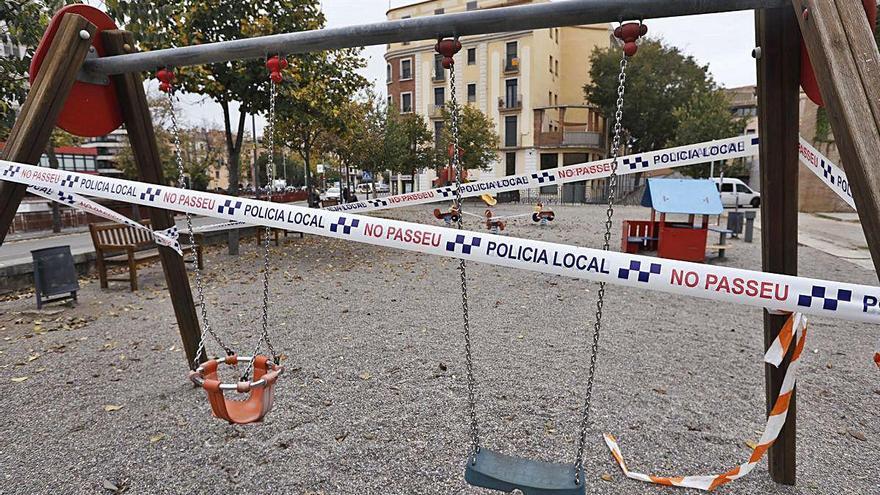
<point x="374" y="397"/>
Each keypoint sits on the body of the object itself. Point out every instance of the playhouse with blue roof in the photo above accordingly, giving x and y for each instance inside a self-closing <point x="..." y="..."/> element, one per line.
<point x="678" y="240"/>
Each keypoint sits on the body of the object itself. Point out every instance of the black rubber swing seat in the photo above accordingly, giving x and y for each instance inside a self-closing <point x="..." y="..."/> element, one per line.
<point x="507" y="473"/>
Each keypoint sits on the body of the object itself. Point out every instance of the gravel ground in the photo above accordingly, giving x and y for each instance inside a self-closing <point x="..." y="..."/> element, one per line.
<point x="373" y="401"/>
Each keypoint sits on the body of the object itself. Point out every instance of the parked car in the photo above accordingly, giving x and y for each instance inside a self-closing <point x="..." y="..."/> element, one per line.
<point x="332" y="193"/>
<point x="735" y="193"/>
<point x="382" y="188"/>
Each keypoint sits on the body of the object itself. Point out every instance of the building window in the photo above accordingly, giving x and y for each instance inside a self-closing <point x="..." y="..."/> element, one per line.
<point x="510" y="131"/>
<point x="551" y="64"/>
<point x="439" y="72"/>
<point x="472" y="5"/>
<point x="438" y="11"/>
<point x="549" y="98"/>
<point x="389" y="101"/>
<point x="556" y="99"/>
<point x="439" y="97"/>
<point x="438" y="133"/>
<point x="510" y="93"/>
<point x="557" y="67"/>
<point x="406" y="69"/>
<point x="511" y="62"/>
<point x="472" y="93"/>
<point x="472" y="56"/>
<point x="406" y="103"/>
<point x="557" y="35"/>
<point x="388" y="78"/>
<point x="510" y="165"/>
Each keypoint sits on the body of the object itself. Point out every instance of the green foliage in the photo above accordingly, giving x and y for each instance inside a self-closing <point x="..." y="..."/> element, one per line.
<point x="669" y="100"/>
<point x="823" y="127"/>
<point x="407" y="142"/>
<point x="704" y="117"/>
<point x="287" y="166"/>
<point x="660" y="79"/>
<point x="476" y="138"/>
<point x="196" y="150"/>
<point x="191" y="22"/>
<point x="23" y="22"/>
<point x="313" y="106"/>
<point x="361" y="144"/>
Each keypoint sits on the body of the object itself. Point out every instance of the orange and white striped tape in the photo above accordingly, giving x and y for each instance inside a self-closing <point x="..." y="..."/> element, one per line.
<point x="795" y="329"/>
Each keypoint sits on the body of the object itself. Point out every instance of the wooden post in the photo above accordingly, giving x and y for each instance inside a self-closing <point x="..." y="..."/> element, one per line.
<point x="139" y="124"/>
<point x="32" y="129"/>
<point x="847" y="65"/>
<point x="778" y="121"/>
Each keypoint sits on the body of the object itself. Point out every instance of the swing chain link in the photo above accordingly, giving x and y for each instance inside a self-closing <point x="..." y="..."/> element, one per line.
<point x="270" y="177"/>
<point x="600" y="300"/>
<point x="456" y="164"/>
<point x="200" y="288"/>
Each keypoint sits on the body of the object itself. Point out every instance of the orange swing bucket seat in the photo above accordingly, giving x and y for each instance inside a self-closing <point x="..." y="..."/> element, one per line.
<point x="262" y="389"/>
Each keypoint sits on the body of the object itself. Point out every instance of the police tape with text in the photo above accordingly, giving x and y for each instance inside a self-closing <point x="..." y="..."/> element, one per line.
<point x="692" y="154"/>
<point x="766" y="290"/>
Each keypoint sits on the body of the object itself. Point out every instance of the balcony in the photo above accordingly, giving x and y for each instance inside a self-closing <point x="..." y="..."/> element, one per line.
<point x="580" y="139"/>
<point x="575" y="126"/>
<point x="436" y="111"/>
<point x="510" y="104"/>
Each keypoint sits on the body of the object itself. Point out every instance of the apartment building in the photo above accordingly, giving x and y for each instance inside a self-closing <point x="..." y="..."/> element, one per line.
<point x="530" y="83"/>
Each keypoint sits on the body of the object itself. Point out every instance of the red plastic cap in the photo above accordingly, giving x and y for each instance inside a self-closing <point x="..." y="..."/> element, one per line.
<point x="448" y="48"/>
<point x="276" y="64"/>
<point x="629" y="33"/>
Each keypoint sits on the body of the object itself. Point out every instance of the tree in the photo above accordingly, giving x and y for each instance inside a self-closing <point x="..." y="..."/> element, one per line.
<point x="22" y="22"/>
<point x="311" y="106"/>
<point x="407" y="146"/>
<point x="193" y="22"/>
<point x="704" y="117"/>
<point x="476" y="137"/>
<point x="197" y="153"/>
<point x="660" y="79"/>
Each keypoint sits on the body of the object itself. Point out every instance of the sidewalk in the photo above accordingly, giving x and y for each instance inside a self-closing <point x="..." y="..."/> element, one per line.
<point x="837" y="234"/>
<point x="16" y="263"/>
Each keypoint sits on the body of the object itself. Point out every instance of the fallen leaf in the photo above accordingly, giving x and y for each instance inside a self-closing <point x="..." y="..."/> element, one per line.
<point x="857" y="434"/>
<point x="606" y="477"/>
<point x="752" y="445"/>
<point x="365" y="375"/>
<point x="20" y="379"/>
<point x="110" y="486"/>
<point x="157" y="438"/>
<point x="111" y="407"/>
<point x="33" y="357"/>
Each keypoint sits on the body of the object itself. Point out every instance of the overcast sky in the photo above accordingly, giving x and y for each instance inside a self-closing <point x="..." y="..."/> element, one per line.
<point x="723" y="41"/>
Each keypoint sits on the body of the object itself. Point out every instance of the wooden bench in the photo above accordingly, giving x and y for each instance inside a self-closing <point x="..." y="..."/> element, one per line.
<point x="120" y="245"/>
<point x="722" y="245"/>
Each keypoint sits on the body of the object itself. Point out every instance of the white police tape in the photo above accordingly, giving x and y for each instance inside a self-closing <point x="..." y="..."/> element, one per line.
<point x="218" y="226"/>
<point x="722" y="149"/>
<point x="167" y="237"/>
<point x="766" y="290"/>
<point x="829" y="173"/>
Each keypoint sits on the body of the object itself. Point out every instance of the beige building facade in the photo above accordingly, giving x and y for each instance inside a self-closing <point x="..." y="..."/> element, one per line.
<point x="530" y="83"/>
<point x="813" y="194"/>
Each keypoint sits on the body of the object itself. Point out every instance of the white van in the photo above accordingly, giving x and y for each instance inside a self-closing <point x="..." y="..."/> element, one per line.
<point x="735" y="193"/>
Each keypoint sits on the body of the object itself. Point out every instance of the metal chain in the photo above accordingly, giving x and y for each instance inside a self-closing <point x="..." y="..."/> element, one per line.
<point x="600" y="301"/>
<point x="456" y="165"/>
<point x="200" y="288"/>
<point x="270" y="177"/>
